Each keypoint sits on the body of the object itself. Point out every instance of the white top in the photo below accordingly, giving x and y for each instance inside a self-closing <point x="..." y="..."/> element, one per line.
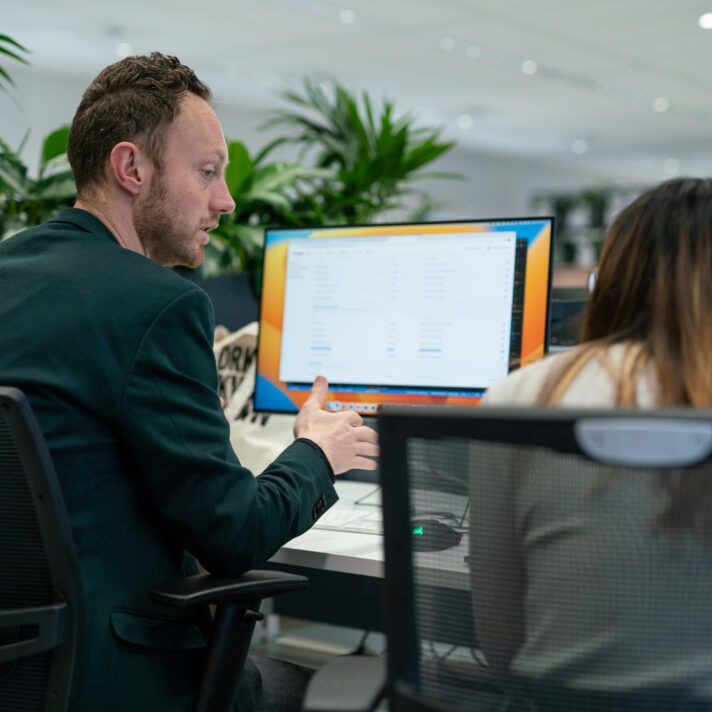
<point x="593" y="597"/>
<point x="595" y="385"/>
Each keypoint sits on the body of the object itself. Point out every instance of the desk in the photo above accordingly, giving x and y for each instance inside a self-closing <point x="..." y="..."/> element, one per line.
<point x="344" y="552"/>
<point x="346" y="573"/>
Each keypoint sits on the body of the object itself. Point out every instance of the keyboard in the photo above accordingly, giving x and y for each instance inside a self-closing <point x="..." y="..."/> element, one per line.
<point x="359" y="520"/>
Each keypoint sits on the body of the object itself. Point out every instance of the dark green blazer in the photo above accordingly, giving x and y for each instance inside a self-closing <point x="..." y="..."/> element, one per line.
<point x="115" y="355"/>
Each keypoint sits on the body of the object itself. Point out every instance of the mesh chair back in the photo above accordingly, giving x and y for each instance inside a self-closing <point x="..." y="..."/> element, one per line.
<point x="432" y="458"/>
<point x="41" y="598"/>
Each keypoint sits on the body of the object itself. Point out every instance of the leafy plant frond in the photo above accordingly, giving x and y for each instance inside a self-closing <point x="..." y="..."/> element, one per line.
<point x="25" y="201"/>
<point x="239" y="168"/>
<point x="263" y="153"/>
<point x="274" y="200"/>
<point x="59" y="187"/>
<point x="7" y="78"/>
<point x="54" y="150"/>
<point x="14" y="55"/>
<point x="7" y="48"/>
<point x="276" y="176"/>
<point x="6" y="39"/>
<point x="12" y="181"/>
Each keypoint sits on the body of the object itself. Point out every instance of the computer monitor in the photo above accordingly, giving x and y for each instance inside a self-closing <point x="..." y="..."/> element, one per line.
<point x="428" y="313"/>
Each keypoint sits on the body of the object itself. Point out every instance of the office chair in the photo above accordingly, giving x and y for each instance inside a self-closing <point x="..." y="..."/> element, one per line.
<point x="41" y="594"/>
<point x="434" y="660"/>
<point x="433" y="664"/>
<point x="597" y="446"/>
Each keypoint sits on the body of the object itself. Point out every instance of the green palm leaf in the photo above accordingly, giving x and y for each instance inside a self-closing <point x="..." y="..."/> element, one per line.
<point x="5" y="40"/>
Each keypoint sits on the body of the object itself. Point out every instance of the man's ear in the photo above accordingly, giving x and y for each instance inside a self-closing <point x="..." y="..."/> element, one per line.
<point x="130" y="167"/>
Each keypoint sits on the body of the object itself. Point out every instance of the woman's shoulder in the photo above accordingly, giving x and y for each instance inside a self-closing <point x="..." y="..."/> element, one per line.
<point x="521" y="387"/>
<point x="593" y="384"/>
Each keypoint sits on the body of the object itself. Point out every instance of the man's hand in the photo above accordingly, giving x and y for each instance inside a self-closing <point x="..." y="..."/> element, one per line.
<point x="345" y="441"/>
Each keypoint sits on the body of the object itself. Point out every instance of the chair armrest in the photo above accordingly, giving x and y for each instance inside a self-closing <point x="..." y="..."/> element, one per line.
<point x="238" y="601"/>
<point x="353" y="683"/>
<point x="209" y="589"/>
<point x="50" y="621"/>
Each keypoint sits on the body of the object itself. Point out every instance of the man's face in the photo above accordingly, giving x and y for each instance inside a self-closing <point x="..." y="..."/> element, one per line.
<point x="186" y="197"/>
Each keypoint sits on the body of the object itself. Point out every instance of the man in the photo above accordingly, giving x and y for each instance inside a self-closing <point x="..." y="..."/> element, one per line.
<point x="115" y="355"/>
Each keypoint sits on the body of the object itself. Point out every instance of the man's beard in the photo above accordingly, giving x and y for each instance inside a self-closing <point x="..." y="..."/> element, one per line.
<point x="164" y="239"/>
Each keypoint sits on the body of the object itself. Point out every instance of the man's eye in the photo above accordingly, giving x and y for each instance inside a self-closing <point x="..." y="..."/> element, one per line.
<point x="208" y="173"/>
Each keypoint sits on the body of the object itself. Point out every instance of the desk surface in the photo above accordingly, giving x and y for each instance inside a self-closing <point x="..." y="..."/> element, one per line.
<point x="329" y="550"/>
<point x="362" y="554"/>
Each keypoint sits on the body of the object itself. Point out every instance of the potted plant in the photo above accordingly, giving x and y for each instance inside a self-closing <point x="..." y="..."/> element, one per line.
<point x="378" y="157"/>
<point x="361" y="165"/>
<point x="27" y="201"/>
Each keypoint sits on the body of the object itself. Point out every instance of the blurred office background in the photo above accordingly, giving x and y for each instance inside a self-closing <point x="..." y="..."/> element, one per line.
<point x="555" y="107"/>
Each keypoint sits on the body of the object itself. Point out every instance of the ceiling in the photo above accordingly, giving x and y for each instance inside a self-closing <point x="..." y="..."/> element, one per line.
<point x="617" y="86"/>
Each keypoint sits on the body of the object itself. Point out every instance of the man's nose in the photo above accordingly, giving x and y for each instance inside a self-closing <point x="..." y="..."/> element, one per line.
<point x="222" y="200"/>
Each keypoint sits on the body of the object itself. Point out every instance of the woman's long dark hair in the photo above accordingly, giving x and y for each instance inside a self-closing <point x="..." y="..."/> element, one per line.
<point x="654" y="294"/>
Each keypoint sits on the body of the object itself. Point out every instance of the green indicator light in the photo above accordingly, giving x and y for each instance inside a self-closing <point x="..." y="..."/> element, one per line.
<point x="418" y="531"/>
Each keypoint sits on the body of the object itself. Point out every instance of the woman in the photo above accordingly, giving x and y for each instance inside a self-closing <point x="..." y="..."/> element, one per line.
<point x="599" y="587"/>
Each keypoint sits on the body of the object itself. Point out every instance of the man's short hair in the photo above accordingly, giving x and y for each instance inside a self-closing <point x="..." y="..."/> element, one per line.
<point x="135" y="100"/>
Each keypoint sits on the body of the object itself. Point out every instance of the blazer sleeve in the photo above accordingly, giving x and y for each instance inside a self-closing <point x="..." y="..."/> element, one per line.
<point x="171" y="420"/>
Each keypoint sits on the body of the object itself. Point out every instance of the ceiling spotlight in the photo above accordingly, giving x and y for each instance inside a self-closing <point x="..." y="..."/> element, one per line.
<point x="464" y="122"/>
<point x="124" y="49"/>
<point x="528" y="67"/>
<point x="661" y="104"/>
<point x="472" y="51"/>
<point x="348" y="17"/>
<point x="447" y="44"/>
<point x="579" y="146"/>
<point x="705" y="21"/>
<point x="671" y="166"/>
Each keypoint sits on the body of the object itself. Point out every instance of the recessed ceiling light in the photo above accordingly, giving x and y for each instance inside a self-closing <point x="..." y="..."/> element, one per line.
<point x="579" y="146"/>
<point x="671" y="166"/>
<point x="705" y="21"/>
<point x="528" y="67"/>
<point x="661" y="104"/>
<point x="447" y="44"/>
<point x="124" y="49"/>
<point x="465" y="122"/>
<point x="347" y="16"/>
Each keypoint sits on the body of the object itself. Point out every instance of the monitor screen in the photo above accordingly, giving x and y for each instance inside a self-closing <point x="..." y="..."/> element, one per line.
<point x="425" y="313"/>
